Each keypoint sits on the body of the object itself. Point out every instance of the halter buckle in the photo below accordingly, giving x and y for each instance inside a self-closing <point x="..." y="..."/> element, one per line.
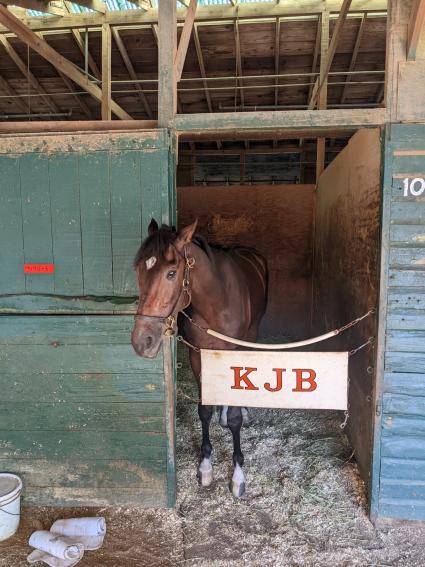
<point x="170" y="326"/>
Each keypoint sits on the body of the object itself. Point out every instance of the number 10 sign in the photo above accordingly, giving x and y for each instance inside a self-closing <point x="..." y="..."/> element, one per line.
<point x="296" y="380"/>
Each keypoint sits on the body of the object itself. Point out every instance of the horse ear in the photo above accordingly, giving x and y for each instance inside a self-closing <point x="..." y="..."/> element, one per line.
<point x="185" y="235"/>
<point x="153" y="227"/>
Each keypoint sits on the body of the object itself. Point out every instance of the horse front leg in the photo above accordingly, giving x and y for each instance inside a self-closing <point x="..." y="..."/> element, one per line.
<point x="205" y="470"/>
<point x="234" y="423"/>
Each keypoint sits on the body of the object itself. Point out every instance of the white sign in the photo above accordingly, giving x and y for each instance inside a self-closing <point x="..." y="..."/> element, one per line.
<point x="295" y="380"/>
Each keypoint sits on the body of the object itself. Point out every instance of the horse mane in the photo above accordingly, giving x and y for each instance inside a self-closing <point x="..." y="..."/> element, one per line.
<point x="156" y="244"/>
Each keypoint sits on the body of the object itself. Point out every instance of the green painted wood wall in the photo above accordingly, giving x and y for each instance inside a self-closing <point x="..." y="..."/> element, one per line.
<point x="83" y="420"/>
<point x="399" y="451"/>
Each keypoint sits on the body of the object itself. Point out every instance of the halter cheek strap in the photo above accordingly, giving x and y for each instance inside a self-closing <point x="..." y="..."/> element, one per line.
<point x="170" y="320"/>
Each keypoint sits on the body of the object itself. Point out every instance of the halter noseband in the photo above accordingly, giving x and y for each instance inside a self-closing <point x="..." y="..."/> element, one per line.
<point x="171" y="319"/>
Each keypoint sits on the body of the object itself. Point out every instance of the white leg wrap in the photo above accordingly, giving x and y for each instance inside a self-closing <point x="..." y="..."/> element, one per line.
<point x="245" y="417"/>
<point x="205" y="472"/>
<point x="223" y="416"/>
<point x="237" y="484"/>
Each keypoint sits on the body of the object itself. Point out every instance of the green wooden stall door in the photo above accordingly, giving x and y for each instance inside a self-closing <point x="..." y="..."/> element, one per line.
<point x="83" y="420"/>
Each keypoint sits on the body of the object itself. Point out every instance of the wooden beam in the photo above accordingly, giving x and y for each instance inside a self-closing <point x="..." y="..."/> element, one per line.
<point x="315" y="53"/>
<point x="320" y="157"/>
<point x="323" y="93"/>
<point x="212" y="13"/>
<point x="106" y="72"/>
<point x="185" y="39"/>
<point x="277" y="60"/>
<point x="24" y="68"/>
<point x="202" y="67"/>
<point x="58" y="61"/>
<point x="54" y="7"/>
<point x="129" y="66"/>
<point x="167" y="84"/>
<point x="268" y="123"/>
<point x="416" y="24"/>
<point x="96" y="5"/>
<point x="320" y="83"/>
<point x="354" y="55"/>
<point x="239" y="71"/>
<point x="142" y="4"/>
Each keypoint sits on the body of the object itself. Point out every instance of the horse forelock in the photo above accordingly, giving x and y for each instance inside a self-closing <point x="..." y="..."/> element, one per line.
<point x="156" y="245"/>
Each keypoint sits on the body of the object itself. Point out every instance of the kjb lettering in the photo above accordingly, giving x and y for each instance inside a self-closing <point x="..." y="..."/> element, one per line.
<point x="303" y="379"/>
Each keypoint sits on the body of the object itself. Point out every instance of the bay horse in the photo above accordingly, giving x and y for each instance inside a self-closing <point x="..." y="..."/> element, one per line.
<point x="221" y="289"/>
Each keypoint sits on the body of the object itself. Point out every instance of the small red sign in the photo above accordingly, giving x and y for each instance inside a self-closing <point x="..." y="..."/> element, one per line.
<point x="39" y="268"/>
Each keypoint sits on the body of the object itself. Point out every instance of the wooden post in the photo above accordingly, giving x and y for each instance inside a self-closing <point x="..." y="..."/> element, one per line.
<point x="323" y="93"/>
<point x="167" y="85"/>
<point x="416" y="24"/>
<point x="106" y="72"/>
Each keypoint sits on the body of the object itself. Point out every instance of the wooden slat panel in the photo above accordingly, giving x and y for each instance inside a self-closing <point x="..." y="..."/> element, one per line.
<point x="408" y="235"/>
<point x="406" y="341"/>
<point x="407" y="301"/>
<point x="416" y="321"/>
<point x="36" y="214"/>
<point x="88" y="387"/>
<point x="406" y="488"/>
<point x="82" y="416"/>
<point x="412" y="469"/>
<point x="12" y="279"/>
<point x="74" y="446"/>
<point x="74" y="359"/>
<point x="125" y="218"/>
<point x="151" y="174"/>
<point x="405" y="362"/>
<point x="406" y="278"/>
<point x="408" y="258"/>
<point x="96" y="474"/>
<point x="407" y="212"/>
<point x="402" y="508"/>
<point x="401" y="426"/>
<point x="95" y="200"/>
<point x="66" y="224"/>
<point x="67" y="305"/>
<point x="120" y="496"/>
<point x="407" y="163"/>
<point x="403" y="383"/>
<point x="403" y="447"/>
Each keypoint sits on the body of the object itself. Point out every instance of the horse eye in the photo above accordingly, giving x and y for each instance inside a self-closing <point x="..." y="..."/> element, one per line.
<point x="171" y="275"/>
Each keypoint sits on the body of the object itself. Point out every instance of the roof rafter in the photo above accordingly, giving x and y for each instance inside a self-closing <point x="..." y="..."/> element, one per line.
<point x="7" y="90"/>
<point x="354" y="55"/>
<point x="96" y="5"/>
<point x="53" y="7"/>
<point x="185" y="39"/>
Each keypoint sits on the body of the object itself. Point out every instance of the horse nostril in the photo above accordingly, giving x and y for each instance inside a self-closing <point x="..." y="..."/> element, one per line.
<point x="148" y="342"/>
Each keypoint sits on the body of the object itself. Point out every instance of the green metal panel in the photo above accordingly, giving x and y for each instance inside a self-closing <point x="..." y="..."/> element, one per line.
<point x="83" y="420"/>
<point x="399" y="456"/>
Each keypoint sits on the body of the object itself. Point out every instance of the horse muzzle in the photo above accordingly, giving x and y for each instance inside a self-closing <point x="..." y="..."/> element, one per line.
<point x="146" y="339"/>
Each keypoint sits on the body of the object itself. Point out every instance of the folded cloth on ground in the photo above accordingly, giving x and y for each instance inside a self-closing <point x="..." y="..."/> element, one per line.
<point x="89" y="531"/>
<point x="55" y="550"/>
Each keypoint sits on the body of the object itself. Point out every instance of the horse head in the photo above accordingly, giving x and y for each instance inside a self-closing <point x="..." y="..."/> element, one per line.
<point x="162" y="266"/>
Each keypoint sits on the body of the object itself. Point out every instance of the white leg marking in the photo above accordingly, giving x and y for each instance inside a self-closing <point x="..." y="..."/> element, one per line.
<point x="223" y="416"/>
<point x="205" y="472"/>
<point x="245" y="417"/>
<point x="238" y="482"/>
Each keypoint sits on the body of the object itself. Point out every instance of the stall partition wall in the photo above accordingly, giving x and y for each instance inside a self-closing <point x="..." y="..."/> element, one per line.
<point x="346" y="273"/>
<point x="399" y="451"/>
<point x="83" y="420"/>
<point x="278" y="221"/>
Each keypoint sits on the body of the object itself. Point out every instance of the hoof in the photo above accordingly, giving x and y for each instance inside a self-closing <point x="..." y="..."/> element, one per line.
<point x="223" y="416"/>
<point x="205" y="473"/>
<point x="237" y="488"/>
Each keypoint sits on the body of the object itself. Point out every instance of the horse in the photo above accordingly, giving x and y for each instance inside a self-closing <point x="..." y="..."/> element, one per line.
<point x="217" y="288"/>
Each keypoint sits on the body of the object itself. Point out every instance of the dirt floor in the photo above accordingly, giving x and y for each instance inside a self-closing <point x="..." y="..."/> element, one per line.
<point x="304" y="506"/>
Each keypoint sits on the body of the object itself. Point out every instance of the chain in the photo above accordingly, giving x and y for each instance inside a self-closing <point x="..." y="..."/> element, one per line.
<point x="193" y="347"/>
<point x="344" y="423"/>
<point x="370" y="341"/>
<point x="355" y="321"/>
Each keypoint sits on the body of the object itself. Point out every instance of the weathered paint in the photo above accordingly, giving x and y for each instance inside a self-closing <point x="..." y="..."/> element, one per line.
<point x="82" y="418"/>
<point x="399" y="448"/>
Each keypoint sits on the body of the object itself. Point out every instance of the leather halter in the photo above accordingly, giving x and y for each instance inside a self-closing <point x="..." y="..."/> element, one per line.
<point x="171" y="319"/>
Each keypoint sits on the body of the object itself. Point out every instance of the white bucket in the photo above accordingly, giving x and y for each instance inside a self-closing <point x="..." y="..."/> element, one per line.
<point x="10" y="504"/>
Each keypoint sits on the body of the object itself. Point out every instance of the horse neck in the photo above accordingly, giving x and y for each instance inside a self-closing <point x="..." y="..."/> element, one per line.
<point x="208" y="295"/>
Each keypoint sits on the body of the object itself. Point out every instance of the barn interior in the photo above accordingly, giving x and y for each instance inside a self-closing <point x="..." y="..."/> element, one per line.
<point x="291" y="195"/>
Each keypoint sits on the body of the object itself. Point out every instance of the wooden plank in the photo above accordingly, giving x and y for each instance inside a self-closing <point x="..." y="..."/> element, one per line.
<point x="206" y="13"/>
<point x="406" y="489"/>
<point x="405" y="361"/>
<point x="12" y="279"/>
<point x="416" y="24"/>
<point x="167" y="85"/>
<point x="95" y="203"/>
<point x="66" y="305"/>
<point x="185" y="39"/>
<point x="36" y="217"/>
<point x="278" y="121"/>
<point x="407" y="405"/>
<point x="406" y="341"/>
<point x="201" y="64"/>
<point x="320" y="83"/>
<point x="90" y="387"/>
<point x="406" y="278"/>
<point x="76" y="445"/>
<point x="404" y="384"/>
<point x="103" y="474"/>
<point x="407" y="258"/>
<point x="408" y="235"/>
<point x="82" y="416"/>
<point x="151" y="170"/>
<point x="96" y="5"/>
<point x="402" y="508"/>
<point x="407" y="321"/>
<point x="126" y="207"/>
<point x="76" y="359"/>
<point x="414" y="163"/>
<point x="81" y="44"/>
<point x="70" y="497"/>
<point x="66" y="224"/>
<point x="407" y="469"/>
<point x="55" y="8"/>
<point x="106" y="103"/>
<point x="354" y="55"/>
<point x="58" y="61"/>
<point x="16" y="103"/>
<point x="406" y="447"/>
<point x="412" y="300"/>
